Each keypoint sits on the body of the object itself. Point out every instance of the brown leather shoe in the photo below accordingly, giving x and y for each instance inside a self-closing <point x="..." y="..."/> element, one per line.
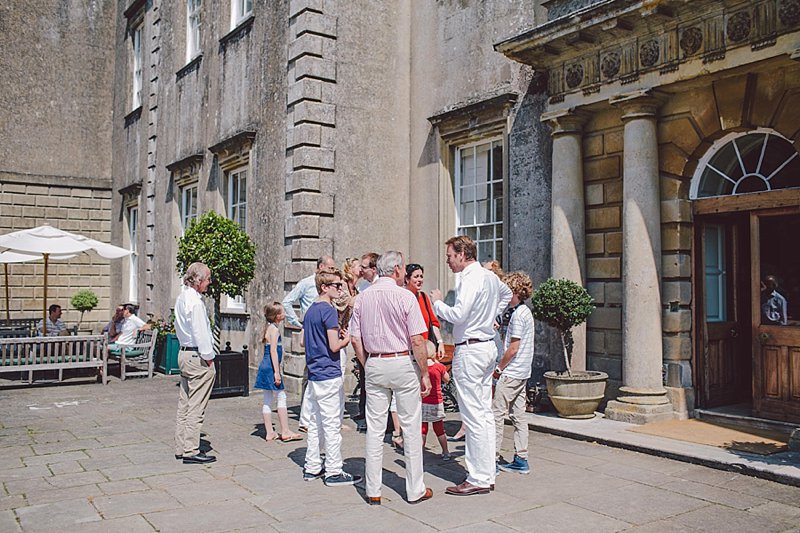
<point x="466" y="489"/>
<point x="373" y="500"/>
<point x="427" y="496"/>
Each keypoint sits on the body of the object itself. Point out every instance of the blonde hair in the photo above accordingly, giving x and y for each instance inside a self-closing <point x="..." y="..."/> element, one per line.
<point x="326" y="277"/>
<point x="431" y="349"/>
<point x="494" y="266"/>
<point x="520" y="284"/>
<point x="347" y="269"/>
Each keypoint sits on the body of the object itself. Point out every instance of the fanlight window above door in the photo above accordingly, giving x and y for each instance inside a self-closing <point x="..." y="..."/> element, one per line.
<point x="743" y="163"/>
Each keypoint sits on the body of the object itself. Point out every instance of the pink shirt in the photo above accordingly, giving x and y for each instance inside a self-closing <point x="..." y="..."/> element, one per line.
<point x="385" y="317"/>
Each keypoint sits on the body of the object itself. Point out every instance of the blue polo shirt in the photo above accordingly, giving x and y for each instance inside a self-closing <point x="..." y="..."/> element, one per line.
<point x="322" y="363"/>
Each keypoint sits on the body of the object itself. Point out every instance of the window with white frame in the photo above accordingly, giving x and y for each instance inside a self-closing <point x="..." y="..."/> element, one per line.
<point x="188" y="205"/>
<point x="479" y="196"/>
<point x="192" y="28"/>
<point x="136" y="84"/>
<point x="237" y="197"/>
<point x="133" y="259"/>
<point x="237" y="211"/>
<point x="240" y="10"/>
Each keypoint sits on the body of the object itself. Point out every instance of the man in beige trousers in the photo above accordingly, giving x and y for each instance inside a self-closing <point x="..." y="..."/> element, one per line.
<point x="196" y="363"/>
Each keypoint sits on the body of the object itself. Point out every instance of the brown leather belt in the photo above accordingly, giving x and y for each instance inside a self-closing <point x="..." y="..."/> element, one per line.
<point x="472" y="341"/>
<point x="188" y="348"/>
<point x="386" y="355"/>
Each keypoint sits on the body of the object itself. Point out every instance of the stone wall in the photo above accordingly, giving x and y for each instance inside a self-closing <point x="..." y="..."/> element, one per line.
<point x="80" y="210"/>
<point x="56" y="71"/>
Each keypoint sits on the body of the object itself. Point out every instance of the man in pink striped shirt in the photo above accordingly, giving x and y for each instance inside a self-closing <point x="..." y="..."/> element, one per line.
<point x="386" y="328"/>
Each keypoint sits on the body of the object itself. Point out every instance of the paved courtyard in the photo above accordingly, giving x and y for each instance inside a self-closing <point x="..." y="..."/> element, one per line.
<point x="85" y="457"/>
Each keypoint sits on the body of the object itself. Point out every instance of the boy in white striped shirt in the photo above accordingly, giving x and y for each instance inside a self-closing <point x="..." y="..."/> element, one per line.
<point x="513" y="371"/>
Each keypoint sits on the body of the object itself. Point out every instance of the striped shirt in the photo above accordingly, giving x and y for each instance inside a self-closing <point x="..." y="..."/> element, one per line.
<point x="386" y="317"/>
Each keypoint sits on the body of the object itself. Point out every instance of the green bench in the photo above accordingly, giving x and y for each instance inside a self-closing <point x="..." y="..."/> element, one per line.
<point x="139" y="355"/>
<point x="29" y="354"/>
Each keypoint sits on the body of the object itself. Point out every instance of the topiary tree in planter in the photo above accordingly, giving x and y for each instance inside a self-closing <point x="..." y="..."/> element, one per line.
<point x="84" y="300"/>
<point x="564" y="304"/>
<point x="227" y="251"/>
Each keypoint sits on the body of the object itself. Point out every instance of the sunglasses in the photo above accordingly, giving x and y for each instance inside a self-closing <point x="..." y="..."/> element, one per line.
<point x="338" y="285"/>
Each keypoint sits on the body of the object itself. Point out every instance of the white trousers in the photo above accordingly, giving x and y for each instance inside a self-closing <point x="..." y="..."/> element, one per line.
<point x="325" y="399"/>
<point x="385" y="378"/>
<point x="303" y="421"/>
<point x="472" y="371"/>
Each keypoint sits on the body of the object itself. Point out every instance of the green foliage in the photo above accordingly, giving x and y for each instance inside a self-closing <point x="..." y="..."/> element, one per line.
<point x="562" y="304"/>
<point x="84" y="300"/>
<point x="227" y="251"/>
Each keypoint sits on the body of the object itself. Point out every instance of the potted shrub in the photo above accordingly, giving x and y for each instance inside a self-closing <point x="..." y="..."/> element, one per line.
<point x="167" y="345"/>
<point x="564" y="304"/>
<point x="83" y="300"/>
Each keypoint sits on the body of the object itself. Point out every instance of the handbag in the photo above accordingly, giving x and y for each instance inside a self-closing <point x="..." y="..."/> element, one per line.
<point x="431" y="335"/>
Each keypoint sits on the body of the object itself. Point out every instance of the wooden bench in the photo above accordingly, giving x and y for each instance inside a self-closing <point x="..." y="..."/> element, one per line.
<point x="30" y="354"/>
<point x="139" y="354"/>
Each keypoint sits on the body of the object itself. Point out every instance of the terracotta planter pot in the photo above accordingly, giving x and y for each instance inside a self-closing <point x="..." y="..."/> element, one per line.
<point x="578" y="395"/>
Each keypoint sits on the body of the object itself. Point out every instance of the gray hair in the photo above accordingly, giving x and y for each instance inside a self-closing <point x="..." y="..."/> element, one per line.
<point x="388" y="262"/>
<point x="196" y="273"/>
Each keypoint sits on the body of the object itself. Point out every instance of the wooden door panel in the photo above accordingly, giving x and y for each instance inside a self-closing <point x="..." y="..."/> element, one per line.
<point x="775" y="260"/>
<point x="770" y="355"/>
<point x="794" y="374"/>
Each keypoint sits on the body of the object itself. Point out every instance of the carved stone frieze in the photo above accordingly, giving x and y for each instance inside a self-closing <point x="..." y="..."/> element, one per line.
<point x="574" y="75"/>
<point x="649" y="53"/>
<point x="789" y="12"/>
<point x="739" y="26"/>
<point x="691" y="41"/>
<point x="619" y="41"/>
<point x="610" y="64"/>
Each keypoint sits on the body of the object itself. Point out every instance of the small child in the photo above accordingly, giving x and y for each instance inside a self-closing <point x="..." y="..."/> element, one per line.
<point x="270" y="378"/>
<point x="433" y="404"/>
<point x="323" y="340"/>
<point x="513" y="371"/>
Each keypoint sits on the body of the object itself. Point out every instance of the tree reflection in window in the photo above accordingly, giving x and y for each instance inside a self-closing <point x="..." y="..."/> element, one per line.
<point x="754" y="162"/>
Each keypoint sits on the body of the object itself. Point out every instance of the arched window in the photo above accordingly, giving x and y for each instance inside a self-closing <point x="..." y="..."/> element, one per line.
<point x="741" y="163"/>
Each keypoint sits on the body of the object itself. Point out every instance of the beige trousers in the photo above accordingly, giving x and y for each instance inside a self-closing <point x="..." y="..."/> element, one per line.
<point x="509" y="399"/>
<point x="197" y="380"/>
<point x="385" y="379"/>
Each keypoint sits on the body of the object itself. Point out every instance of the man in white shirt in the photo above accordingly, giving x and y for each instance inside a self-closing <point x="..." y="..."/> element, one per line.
<point x="306" y="293"/>
<point x="196" y="362"/>
<point x="131" y="325"/>
<point x="480" y="297"/>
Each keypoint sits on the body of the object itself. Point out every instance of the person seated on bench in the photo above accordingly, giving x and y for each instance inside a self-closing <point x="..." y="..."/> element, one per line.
<point x="131" y="326"/>
<point x="114" y="326"/>
<point x="55" y="326"/>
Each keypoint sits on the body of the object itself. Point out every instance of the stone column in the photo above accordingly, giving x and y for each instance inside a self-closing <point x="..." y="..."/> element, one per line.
<point x="642" y="397"/>
<point x="568" y="234"/>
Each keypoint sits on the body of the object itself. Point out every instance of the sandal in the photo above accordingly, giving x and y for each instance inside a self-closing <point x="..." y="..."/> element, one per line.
<point x="291" y="437"/>
<point x="397" y="440"/>
<point x="275" y="436"/>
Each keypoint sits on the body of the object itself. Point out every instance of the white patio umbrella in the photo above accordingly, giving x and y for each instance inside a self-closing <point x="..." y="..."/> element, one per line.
<point x="48" y="242"/>
<point x="13" y="257"/>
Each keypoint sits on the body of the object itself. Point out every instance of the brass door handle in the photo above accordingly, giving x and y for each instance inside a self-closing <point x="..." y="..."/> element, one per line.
<point x="734" y="333"/>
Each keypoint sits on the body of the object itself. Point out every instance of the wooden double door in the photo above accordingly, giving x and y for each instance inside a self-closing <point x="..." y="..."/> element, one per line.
<point x="748" y="310"/>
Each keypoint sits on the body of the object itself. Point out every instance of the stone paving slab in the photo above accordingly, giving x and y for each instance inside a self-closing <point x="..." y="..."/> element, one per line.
<point x="94" y="458"/>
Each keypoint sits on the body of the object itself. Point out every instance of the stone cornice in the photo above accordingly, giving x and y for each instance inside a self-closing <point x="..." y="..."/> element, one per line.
<point x="617" y="41"/>
<point x="237" y="143"/>
<point x="477" y="113"/>
<point x="188" y="164"/>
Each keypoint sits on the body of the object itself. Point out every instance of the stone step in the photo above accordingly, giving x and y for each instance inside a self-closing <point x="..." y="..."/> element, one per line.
<point x="744" y="421"/>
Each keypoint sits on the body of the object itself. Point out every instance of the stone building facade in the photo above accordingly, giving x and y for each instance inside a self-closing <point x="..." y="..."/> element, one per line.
<point x="335" y="126"/>
<point x="675" y="195"/>
<point x="56" y="71"/>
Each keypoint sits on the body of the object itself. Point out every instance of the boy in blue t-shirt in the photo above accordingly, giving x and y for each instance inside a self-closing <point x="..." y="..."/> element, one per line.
<point x="323" y="340"/>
